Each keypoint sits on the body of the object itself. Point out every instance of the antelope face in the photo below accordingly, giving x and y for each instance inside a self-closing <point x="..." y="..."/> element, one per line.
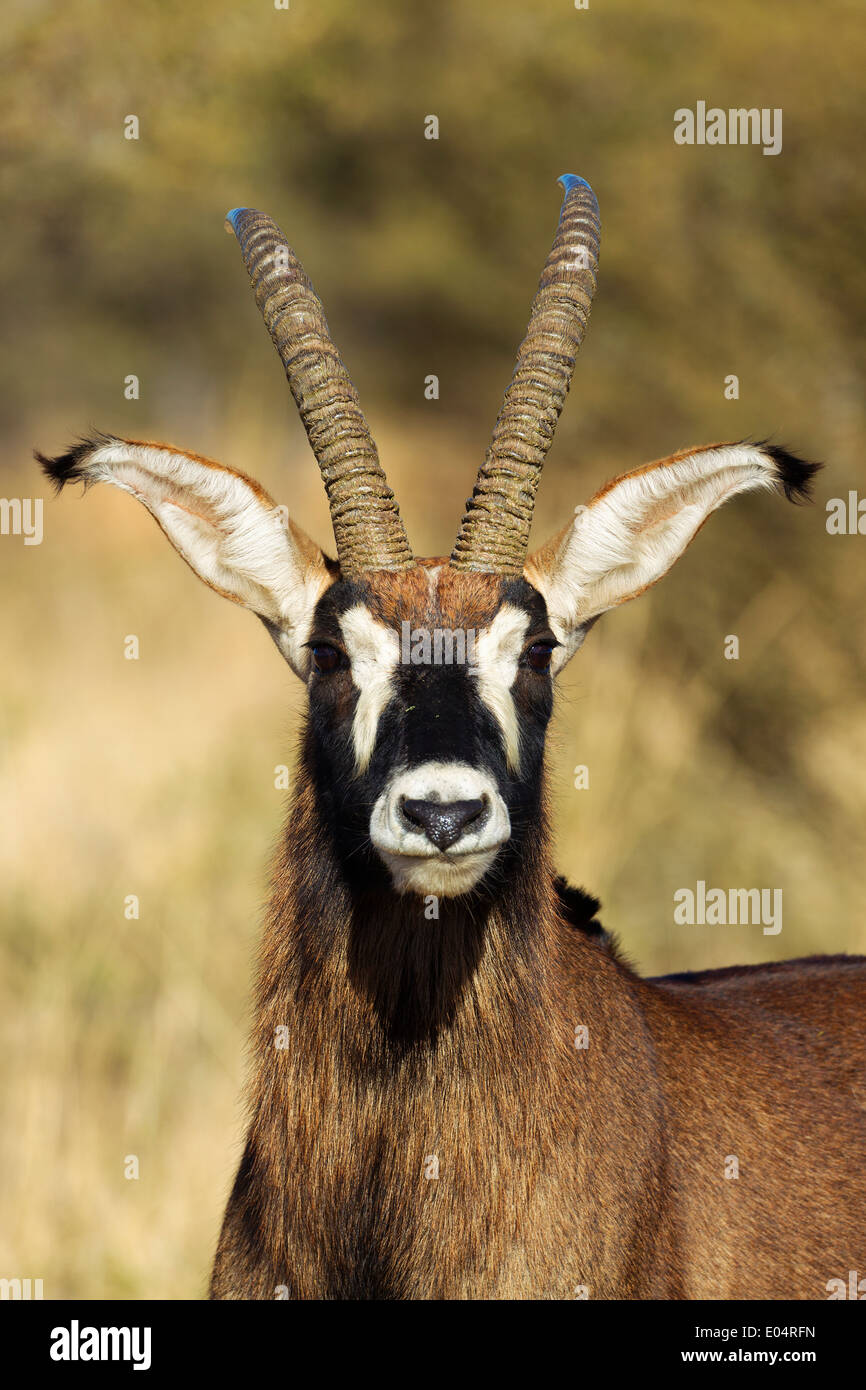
<point x="429" y="681"/>
<point x="430" y="692"/>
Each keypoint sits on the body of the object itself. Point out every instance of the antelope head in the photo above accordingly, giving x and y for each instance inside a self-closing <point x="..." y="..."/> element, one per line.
<point x="430" y="681"/>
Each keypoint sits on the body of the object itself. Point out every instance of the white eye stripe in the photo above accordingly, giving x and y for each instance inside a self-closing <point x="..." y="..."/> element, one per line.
<point x="497" y="656"/>
<point x="373" y="650"/>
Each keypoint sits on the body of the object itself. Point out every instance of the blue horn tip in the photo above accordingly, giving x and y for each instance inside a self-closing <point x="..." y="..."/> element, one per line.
<point x="570" y="181"/>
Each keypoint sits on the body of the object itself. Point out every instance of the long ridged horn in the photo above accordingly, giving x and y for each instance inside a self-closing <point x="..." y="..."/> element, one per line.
<point x="367" y="526"/>
<point x="494" y="533"/>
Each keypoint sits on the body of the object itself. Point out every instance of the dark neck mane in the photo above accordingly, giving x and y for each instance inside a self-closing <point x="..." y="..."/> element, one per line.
<point x="386" y="1043"/>
<point x="409" y="976"/>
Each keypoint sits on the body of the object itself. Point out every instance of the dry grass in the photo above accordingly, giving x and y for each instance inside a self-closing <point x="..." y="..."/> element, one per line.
<point x="156" y="777"/>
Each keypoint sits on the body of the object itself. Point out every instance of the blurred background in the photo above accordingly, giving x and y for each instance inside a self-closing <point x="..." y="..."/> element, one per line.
<point x="156" y="777"/>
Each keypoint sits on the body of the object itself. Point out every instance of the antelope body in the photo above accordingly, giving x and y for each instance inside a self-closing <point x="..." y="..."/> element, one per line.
<point x="422" y="1124"/>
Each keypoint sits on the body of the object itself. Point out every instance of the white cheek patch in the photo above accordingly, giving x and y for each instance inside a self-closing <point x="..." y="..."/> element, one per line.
<point x="374" y="652"/>
<point x="498" y="650"/>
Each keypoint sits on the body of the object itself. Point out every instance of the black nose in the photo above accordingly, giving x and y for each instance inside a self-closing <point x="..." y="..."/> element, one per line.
<point x="443" y="822"/>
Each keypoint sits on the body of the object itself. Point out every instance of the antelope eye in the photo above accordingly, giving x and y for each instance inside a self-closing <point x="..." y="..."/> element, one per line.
<point x="325" y="659"/>
<point x="538" y="656"/>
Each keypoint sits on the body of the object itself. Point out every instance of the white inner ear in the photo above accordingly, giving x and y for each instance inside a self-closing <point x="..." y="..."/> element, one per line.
<point x="229" y="532"/>
<point x="634" y="530"/>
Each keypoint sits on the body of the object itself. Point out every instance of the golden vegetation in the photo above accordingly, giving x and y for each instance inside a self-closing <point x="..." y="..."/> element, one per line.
<point x="156" y="777"/>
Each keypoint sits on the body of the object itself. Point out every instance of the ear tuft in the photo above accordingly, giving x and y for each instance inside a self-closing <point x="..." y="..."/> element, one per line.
<point x="793" y="475"/>
<point x="69" y="467"/>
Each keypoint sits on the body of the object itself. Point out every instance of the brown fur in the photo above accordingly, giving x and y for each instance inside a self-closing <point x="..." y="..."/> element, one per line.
<point x="458" y="599"/>
<point x="560" y="1170"/>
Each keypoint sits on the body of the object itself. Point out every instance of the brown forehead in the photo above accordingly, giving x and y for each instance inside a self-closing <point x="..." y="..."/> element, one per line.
<point x="456" y="597"/>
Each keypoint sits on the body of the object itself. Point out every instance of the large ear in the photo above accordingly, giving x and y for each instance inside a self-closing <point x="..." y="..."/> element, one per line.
<point x="226" y="527"/>
<point x="638" y="525"/>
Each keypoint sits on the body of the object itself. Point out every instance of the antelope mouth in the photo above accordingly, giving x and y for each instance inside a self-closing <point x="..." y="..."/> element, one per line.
<point x="441" y="873"/>
<point x="439" y="827"/>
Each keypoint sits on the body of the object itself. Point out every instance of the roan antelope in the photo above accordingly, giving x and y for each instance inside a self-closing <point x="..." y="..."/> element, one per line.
<point x="393" y="1044"/>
